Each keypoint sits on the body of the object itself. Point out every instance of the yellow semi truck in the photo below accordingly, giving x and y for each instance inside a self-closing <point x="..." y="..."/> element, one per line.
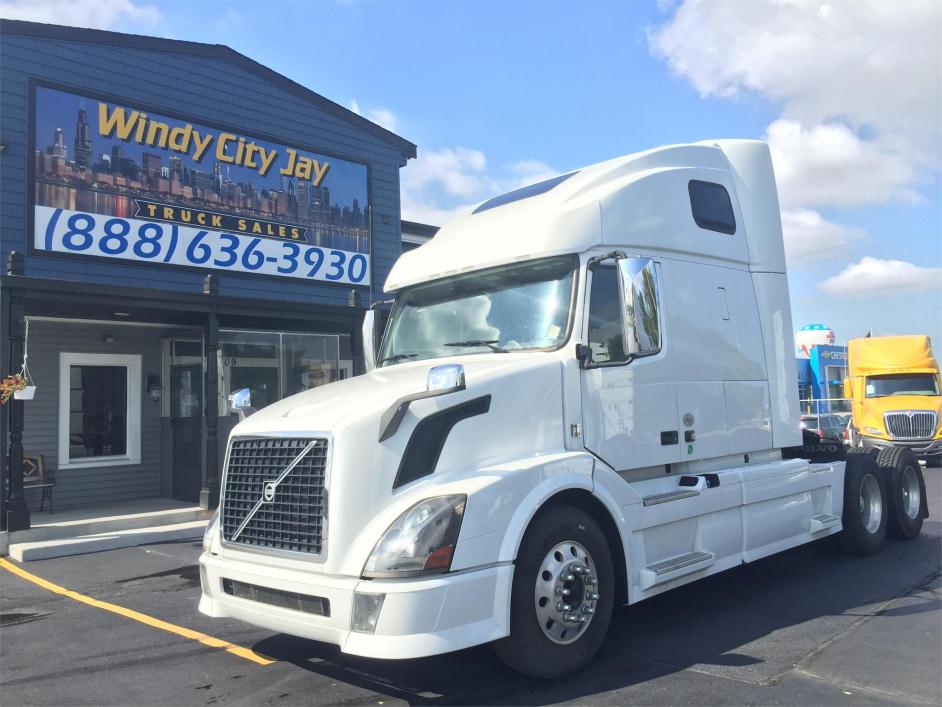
<point x="894" y="389"/>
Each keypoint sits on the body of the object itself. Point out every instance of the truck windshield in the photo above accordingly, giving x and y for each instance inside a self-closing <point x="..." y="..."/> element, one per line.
<point x="902" y="384"/>
<point x="508" y="308"/>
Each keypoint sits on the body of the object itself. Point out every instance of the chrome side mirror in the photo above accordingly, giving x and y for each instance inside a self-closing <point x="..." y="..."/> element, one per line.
<point x="369" y="339"/>
<point x="641" y="328"/>
<point x="240" y="401"/>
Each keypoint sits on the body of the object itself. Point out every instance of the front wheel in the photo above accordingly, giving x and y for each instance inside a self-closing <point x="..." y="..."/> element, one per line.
<point x="562" y="596"/>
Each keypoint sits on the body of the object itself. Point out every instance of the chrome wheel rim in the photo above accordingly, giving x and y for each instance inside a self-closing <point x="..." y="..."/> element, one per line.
<point x="566" y="593"/>
<point x="871" y="503"/>
<point x="912" y="494"/>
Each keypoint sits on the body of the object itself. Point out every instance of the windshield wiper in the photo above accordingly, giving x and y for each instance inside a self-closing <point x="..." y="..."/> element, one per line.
<point x="489" y="343"/>
<point x="397" y="357"/>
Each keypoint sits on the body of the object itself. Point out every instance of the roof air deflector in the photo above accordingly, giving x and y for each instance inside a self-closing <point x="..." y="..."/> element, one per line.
<point x="523" y="193"/>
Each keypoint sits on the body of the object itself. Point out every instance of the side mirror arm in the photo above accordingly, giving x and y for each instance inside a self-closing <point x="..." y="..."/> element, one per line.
<point x="584" y="356"/>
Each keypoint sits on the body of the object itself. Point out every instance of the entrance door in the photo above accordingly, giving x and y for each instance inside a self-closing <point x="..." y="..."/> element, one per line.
<point x="186" y="420"/>
<point x="629" y="401"/>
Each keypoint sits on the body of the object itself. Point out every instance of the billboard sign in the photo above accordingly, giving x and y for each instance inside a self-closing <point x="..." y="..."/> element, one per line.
<point x="113" y="180"/>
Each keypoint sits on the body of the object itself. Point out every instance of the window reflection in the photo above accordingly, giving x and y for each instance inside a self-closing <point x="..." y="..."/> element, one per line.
<point x="274" y="365"/>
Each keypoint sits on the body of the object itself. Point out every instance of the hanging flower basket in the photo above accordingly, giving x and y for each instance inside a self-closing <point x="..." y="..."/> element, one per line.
<point x="26" y="393"/>
<point x="18" y="386"/>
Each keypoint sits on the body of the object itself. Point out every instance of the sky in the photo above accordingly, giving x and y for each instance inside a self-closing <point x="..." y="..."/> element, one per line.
<point x="498" y="95"/>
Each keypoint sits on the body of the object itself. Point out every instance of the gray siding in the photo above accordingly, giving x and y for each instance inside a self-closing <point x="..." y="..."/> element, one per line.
<point x="40" y="436"/>
<point x="209" y="90"/>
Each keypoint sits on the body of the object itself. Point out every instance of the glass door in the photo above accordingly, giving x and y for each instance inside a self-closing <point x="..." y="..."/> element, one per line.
<point x="276" y="365"/>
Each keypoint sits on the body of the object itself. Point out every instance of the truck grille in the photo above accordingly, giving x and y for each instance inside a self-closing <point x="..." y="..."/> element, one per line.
<point x="292" y="517"/>
<point x="916" y="424"/>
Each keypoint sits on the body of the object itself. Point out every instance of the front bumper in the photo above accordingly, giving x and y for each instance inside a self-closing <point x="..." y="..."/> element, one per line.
<point x="921" y="448"/>
<point x="419" y="617"/>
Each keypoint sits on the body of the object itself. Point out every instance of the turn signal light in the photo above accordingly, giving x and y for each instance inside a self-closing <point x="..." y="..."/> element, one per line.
<point x="440" y="559"/>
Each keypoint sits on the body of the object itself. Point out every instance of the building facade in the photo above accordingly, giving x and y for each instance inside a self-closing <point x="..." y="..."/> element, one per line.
<point x="178" y="222"/>
<point x="822" y="368"/>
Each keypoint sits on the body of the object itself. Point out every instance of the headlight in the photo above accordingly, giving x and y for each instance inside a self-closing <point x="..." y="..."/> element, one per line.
<point x="421" y="540"/>
<point x="873" y="430"/>
<point x="211" y="529"/>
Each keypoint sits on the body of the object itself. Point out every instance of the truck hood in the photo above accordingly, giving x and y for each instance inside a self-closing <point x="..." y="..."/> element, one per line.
<point x="321" y="409"/>
<point x="871" y="410"/>
<point x="364" y="498"/>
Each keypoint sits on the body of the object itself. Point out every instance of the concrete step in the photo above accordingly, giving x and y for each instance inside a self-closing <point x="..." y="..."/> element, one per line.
<point x="47" y="528"/>
<point x="61" y="547"/>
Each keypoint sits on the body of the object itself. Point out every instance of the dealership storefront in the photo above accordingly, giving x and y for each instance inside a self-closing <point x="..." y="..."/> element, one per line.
<point x="178" y="222"/>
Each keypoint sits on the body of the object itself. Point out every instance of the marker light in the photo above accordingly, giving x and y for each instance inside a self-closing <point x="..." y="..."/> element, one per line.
<point x="211" y="529"/>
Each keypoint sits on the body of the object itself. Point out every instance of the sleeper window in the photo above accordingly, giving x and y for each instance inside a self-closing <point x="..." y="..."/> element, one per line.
<point x="711" y="207"/>
<point x="605" y="326"/>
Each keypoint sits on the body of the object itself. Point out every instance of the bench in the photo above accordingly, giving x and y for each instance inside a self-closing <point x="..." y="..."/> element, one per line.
<point x="35" y="476"/>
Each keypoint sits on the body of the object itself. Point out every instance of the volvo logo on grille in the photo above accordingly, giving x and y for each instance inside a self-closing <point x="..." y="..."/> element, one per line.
<point x="268" y="489"/>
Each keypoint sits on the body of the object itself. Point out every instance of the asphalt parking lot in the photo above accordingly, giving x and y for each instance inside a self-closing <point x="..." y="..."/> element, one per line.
<point x="803" y="627"/>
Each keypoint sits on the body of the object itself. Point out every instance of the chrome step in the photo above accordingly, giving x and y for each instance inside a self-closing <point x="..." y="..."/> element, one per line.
<point x="673" y="567"/>
<point x="823" y="521"/>
<point x="657" y="498"/>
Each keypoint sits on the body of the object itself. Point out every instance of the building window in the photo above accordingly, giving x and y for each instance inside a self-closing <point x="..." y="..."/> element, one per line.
<point x="711" y="206"/>
<point x="99" y="409"/>
<point x="275" y="365"/>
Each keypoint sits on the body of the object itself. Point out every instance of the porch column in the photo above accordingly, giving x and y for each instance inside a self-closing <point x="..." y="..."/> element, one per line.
<point x="354" y="299"/>
<point x="209" y="494"/>
<point x="17" y="514"/>
<point x="4" y="423"/>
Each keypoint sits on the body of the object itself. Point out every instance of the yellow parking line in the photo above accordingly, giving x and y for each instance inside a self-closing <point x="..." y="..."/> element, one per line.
<point x="137" y="616"/>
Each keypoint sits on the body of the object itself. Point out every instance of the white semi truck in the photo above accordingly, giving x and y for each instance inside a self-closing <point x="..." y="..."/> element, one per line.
<point x="585" y="396"/>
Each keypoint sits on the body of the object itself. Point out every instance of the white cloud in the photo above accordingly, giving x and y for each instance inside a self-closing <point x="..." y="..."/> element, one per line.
<point x="859" y="85"/>
<point x="441" y="183"/>
<point x="809" y="236"/>
<point x="455" y="171"/>
<point x="876" y="63"/>
<point x="97" y="14"/>
<point x="874" y="276"/>
<point x="829" y="164"/>
<point x="383" y="117"/>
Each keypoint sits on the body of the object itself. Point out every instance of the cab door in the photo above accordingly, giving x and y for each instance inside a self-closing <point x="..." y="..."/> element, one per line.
<point x="629" y="397"/>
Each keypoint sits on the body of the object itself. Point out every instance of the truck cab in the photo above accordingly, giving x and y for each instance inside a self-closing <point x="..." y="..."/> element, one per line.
<point x="580" y="400"/>
<point x="896" y="395"/>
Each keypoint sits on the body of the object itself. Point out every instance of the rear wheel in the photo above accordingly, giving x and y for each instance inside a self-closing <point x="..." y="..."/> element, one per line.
<point x="906" y="492"/>
<point x="865" y="510"/>
<point x="562" y="597"/>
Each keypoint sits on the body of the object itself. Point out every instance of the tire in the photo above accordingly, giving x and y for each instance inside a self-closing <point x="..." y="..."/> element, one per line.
<point x="865" y="505"/>
<point x="541" y="643"/>
<point x="906" y="492"/>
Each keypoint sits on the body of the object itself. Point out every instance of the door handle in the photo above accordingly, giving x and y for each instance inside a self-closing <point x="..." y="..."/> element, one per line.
<point x="668" y="438"/>
<point x="690" y="436"/>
